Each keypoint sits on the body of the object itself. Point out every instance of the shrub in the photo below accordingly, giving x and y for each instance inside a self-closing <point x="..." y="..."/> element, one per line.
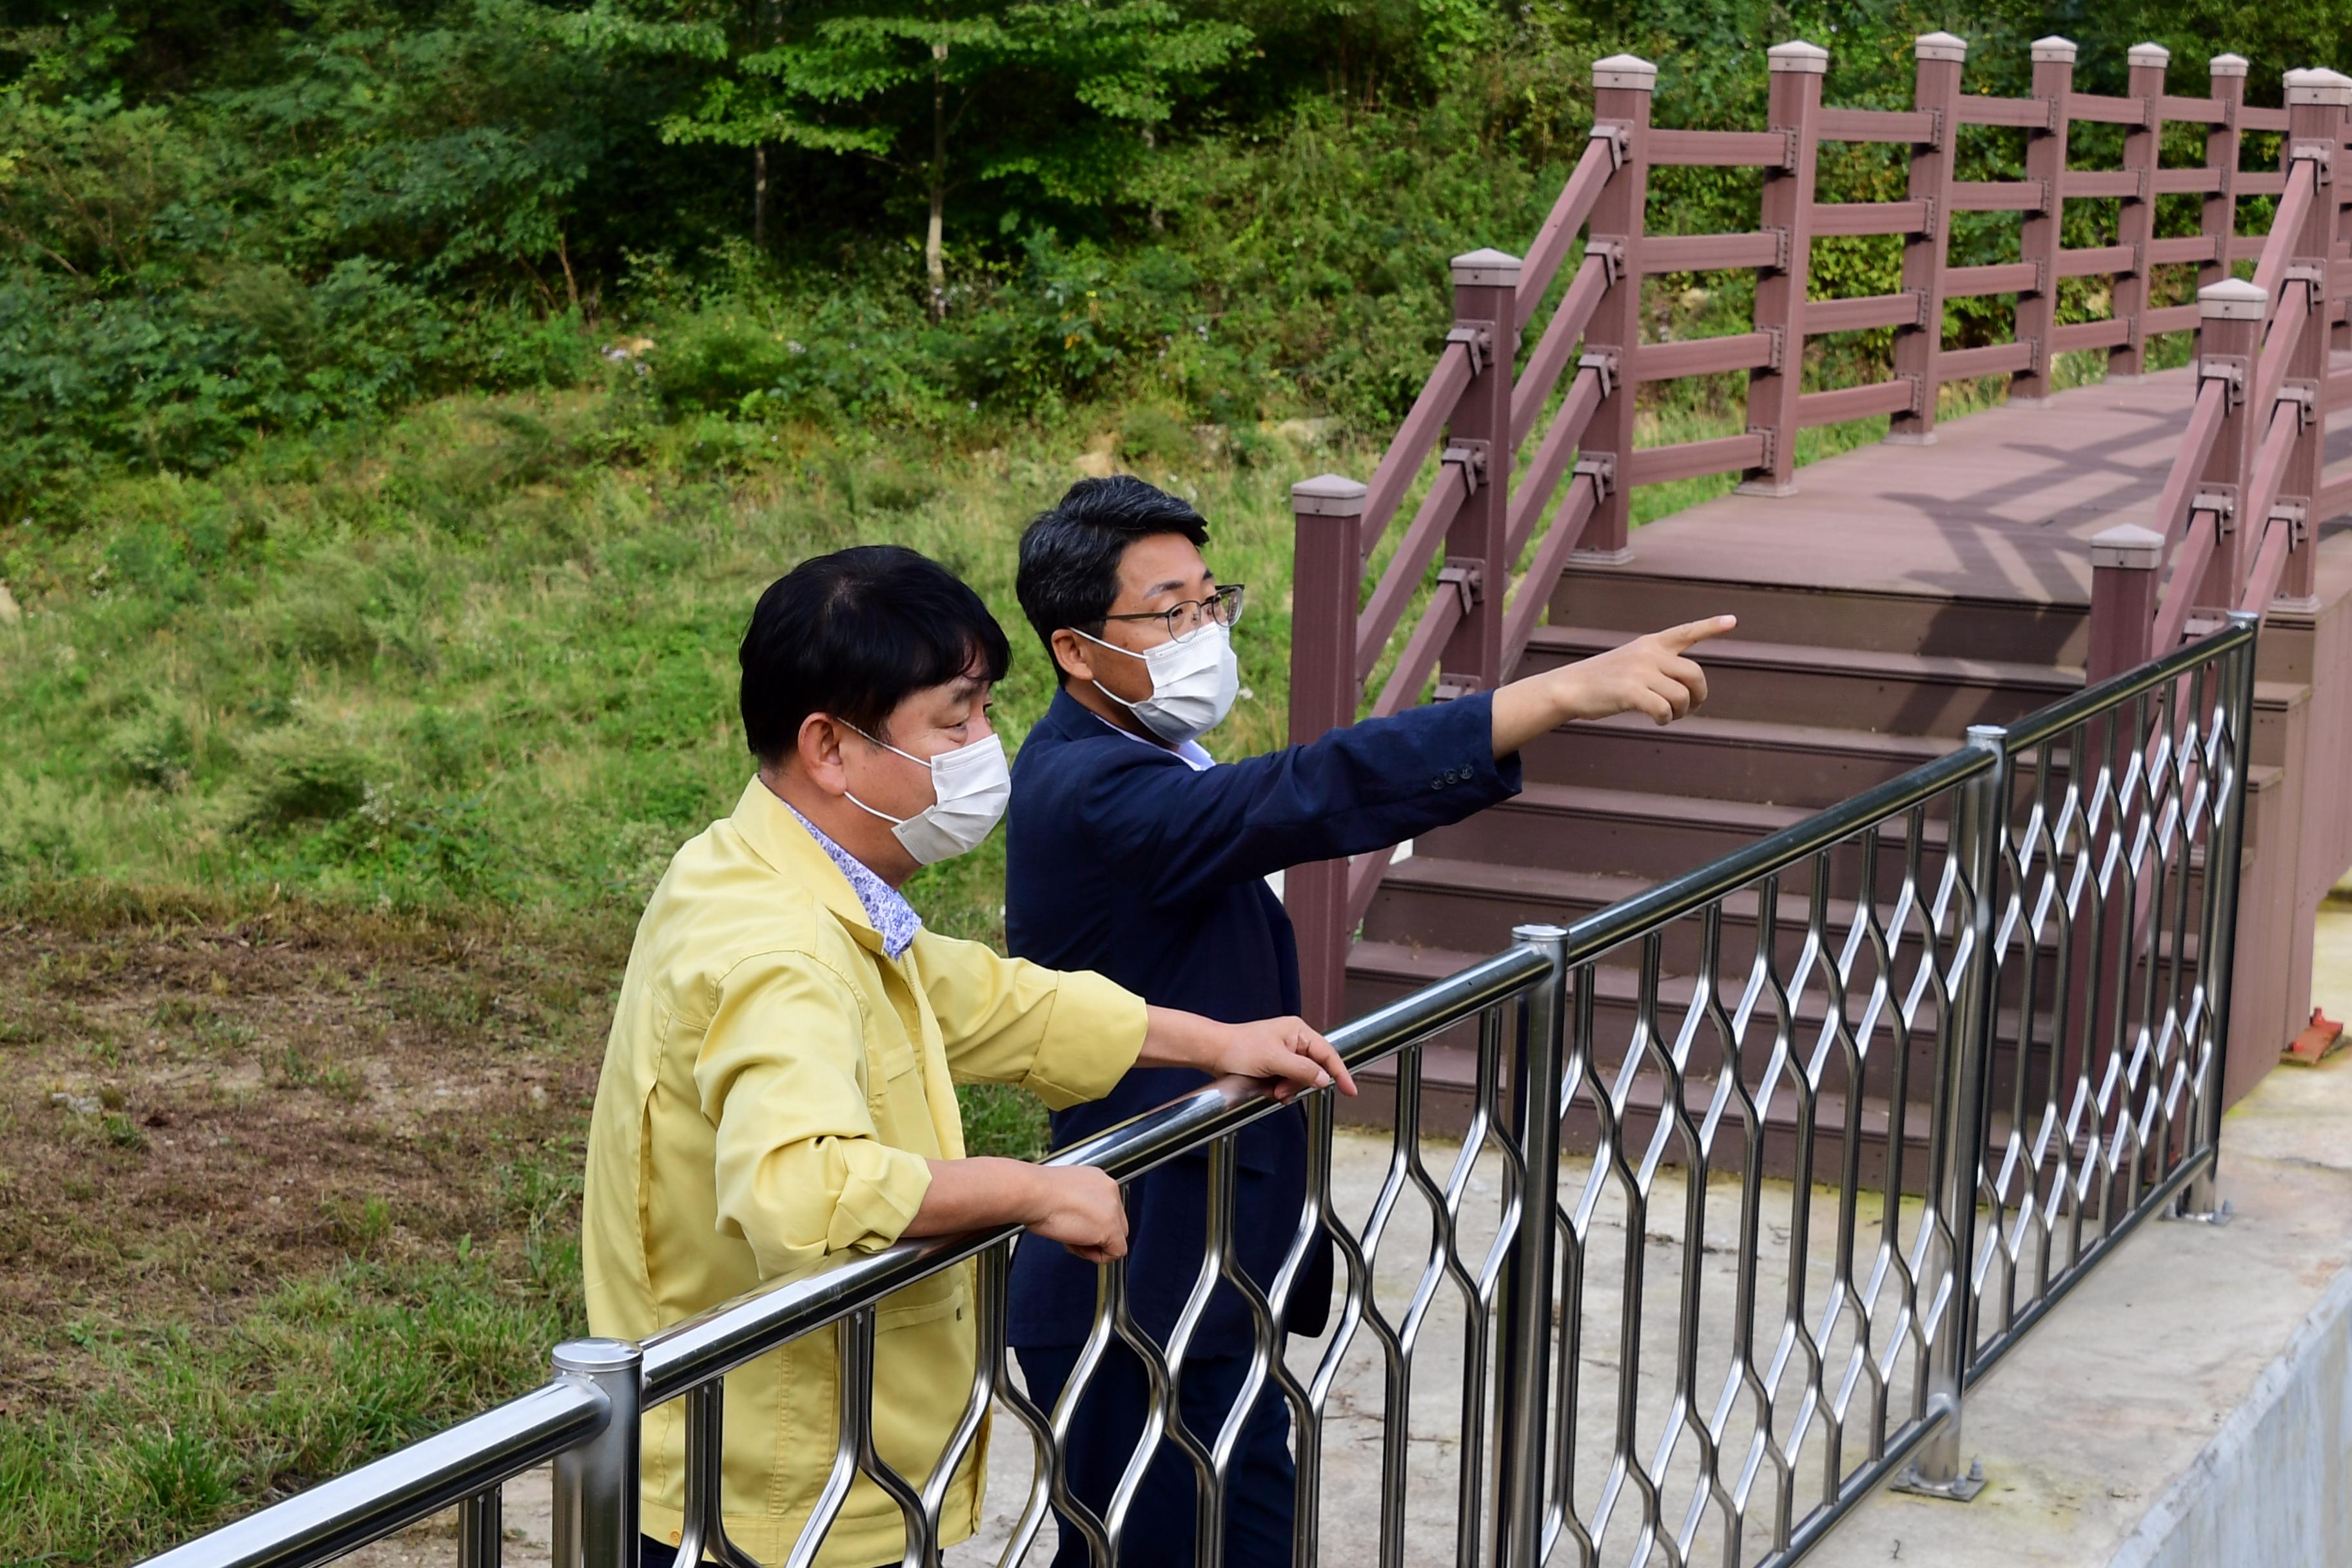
<point x="302" y="773"/>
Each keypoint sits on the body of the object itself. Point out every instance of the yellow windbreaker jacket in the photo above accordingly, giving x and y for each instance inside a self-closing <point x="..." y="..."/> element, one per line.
<point x="772" y="1091"/>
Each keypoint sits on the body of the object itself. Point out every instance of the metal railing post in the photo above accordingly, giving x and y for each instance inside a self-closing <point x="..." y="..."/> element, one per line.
<point x="2136" y="215"/>
<point x="2219" y="217"/>
<point x="2229" y="327"/>
<point x="1523" y="1415"/>
<point x="1965" y="1089"/>
<point x="1477" y="546"/>
<point x="1327" y="568"/>
<point x="1621" y="87"/>
<point x="2125" y="561"/>
<point x="2316" y="102"/>
<point x="2045" y="160"/>
<point x="1936" y="89"/>
<point x="1797" y="70"/>
<point x="596" y="1481"/>
<point x="482" y="1530"/>
<point x="2219" y="939"/>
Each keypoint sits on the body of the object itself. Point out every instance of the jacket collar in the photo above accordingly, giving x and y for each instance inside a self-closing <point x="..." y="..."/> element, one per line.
<point x="776" y="837"/>
<point x="1067" y="719"/>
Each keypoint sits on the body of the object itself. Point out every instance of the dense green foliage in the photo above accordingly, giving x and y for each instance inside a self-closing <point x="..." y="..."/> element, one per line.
<point x="221" y="223"/>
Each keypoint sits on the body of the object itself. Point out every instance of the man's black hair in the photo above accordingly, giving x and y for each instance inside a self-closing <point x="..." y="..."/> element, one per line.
<point x="1070" y="555"/>
<point x="852" y="634"/>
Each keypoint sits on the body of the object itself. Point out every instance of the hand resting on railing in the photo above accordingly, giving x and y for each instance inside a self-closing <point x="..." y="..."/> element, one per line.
<point x="1079" y="1206"/>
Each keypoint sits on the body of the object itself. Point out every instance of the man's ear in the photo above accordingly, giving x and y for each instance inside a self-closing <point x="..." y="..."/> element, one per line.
<point x="1070" y="653"/>
<point x="817" y="751"/>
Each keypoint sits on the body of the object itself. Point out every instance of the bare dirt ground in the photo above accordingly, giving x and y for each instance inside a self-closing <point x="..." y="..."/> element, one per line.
<point x="197" y="1112"/>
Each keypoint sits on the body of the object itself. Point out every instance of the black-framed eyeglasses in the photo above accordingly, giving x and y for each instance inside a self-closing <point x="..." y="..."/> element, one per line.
<point x="1223" y="608"/>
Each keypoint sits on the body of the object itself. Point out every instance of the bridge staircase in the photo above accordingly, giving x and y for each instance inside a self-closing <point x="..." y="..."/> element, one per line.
<point x="1888" y="597"/>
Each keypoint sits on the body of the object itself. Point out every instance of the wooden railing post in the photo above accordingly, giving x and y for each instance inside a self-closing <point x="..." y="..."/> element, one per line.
<point x="2219" y="221"/>
<point x="2045" y="160"/>
<point x="1478" y="551"/>
<point x="2136" y="220"/>
<point x="2229" y="323"/>
<point x="1936" y="89"/>
<point x="2123" y="569"/>
<point x="1327" y="568"/>
<point x="1797" y="70"/>
<point x="2315" y="105"/>
<point x="1622" y="86"/>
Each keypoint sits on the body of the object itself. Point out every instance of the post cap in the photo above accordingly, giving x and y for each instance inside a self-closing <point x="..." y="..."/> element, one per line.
<point x="2154" y="55"/>
<point x="1327" y="495"/>
<point x="1488" y="268"/>
<point x="2325" y="87"/>
<point x="1798" y="56"/>
<point x="2053" y="50"/>
<point x="591" y="1356"/>
<point x="1939" y="47"/>
<point x="2231" y="300"/>
<point x="1625" y="70"/>
<point x="2128" y="545"/>
<point x="2227" y="65"/>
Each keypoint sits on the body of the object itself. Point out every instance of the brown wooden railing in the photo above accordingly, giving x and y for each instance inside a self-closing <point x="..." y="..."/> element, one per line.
<point x="2241" y="508"/>
<point x="1493" y="493"/>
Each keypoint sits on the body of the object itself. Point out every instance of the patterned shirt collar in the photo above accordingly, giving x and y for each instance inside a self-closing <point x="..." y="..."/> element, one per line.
<point x="894" y="919"/>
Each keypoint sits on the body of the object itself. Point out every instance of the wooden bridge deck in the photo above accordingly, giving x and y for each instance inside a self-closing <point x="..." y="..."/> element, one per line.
<point x="1901" y="594"/>
<point x="2001" y="507"/>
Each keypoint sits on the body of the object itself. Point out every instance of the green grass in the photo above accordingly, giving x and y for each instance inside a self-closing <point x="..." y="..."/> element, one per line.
<point x="485" y="657"/>
<point x="328" y="1371"/>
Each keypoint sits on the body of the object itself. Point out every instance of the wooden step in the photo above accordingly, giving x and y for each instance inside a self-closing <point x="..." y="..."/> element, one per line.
<point x="1731" y="759"/>
<point x="1449" y="1097"/>
<point x="1628" y="599"/>
<point x="1633" y="833"/>
<point x="1811" y="684"/>
<point x="1466" y="908"/>
<point x="1380" y="973"/>
<point x="1641" y="833"/>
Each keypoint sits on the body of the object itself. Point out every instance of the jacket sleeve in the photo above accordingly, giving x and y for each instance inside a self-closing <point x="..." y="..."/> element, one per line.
<point x="1177" y="834"/>
<point x="801" y="1169"/>
<point x="1065" y="1036"/>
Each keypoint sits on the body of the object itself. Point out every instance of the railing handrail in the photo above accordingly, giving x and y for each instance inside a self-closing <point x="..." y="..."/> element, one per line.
<point x="724" y="1337"/>
<point x="410" y="1483"/>
<point x="489" y="1449"/>
<point x="1473" y="625"/>
<point x="2251" y="431"/>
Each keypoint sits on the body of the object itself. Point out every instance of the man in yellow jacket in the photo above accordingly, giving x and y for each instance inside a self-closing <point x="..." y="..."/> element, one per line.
<point x="780" y="1081"/>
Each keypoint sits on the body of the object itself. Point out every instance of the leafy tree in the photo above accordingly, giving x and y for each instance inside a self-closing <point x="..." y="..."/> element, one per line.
<point x="1061" y="97"/>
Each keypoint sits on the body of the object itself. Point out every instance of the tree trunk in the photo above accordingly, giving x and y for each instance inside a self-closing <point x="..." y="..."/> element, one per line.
<point x="760" y="198"/>
<point x="934" y="258"/>
<point x="767" y="28"/>
<point x="1158" y="220"/>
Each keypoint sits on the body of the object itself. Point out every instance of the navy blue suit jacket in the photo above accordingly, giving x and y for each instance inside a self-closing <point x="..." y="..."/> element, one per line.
<point x="1122" y="859"/>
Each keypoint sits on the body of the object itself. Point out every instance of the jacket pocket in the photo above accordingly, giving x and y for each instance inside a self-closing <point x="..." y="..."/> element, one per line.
<point x="924" y="1301"/>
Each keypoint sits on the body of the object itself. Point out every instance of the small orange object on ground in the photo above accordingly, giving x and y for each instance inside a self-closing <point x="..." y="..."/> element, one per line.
<point x="2316" y="1042"/>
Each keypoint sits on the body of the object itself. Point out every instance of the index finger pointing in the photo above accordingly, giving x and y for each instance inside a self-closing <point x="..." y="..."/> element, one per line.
<point x="1692" y="633"/>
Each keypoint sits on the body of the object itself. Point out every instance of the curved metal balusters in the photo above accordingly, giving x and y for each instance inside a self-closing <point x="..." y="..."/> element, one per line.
<point x="2022" y="951"/>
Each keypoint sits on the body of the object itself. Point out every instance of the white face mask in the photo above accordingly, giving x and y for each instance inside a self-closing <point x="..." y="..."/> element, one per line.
<point x="1194" y="682"/>
<point x="969" y="786"/>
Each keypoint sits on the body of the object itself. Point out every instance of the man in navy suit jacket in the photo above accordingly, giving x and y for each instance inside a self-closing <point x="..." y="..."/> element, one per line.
<point x="1130" y="852"/>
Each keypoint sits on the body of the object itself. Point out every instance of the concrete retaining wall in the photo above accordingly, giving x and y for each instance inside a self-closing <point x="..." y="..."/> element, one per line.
<point x="2273" y="1489"/>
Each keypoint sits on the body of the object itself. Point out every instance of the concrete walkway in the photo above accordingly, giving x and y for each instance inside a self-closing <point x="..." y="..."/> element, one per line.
<point x="2098" y="1434"/>
<point x="2141" y="1400"/>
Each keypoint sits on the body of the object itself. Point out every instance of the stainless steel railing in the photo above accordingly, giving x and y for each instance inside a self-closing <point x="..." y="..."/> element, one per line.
<point x="1864" y="1101"/>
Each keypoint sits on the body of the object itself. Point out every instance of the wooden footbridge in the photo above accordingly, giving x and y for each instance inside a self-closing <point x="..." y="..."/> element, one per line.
<point x="1960" y="571"/>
